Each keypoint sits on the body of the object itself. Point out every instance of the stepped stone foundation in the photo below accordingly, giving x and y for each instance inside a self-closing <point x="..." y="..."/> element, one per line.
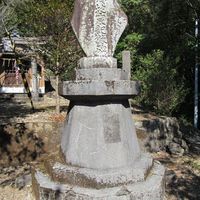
<point x="99" y="157"/>
<point x="151" y="188"/>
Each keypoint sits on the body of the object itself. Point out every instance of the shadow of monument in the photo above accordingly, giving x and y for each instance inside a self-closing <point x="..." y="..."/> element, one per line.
<point x="18" y="145"/>
<point x="15" y="140"/>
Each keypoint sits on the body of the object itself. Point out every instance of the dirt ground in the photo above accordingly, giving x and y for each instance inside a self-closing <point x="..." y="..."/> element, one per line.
<point x="182" y="173"/>
<point x="11" y="193"/>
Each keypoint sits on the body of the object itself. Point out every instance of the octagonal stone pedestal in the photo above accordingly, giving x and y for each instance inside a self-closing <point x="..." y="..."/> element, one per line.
<point x="100" y="157"/>
<point x="152" y="188"/>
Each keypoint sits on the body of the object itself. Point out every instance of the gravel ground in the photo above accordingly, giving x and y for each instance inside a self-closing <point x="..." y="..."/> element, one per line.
<point x="11" y="193"/>
<point x="182" y="179"/>
<point x="12" y="110"/>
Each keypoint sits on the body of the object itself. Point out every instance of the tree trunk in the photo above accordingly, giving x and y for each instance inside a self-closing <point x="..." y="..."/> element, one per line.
<point x="57" y="96"/>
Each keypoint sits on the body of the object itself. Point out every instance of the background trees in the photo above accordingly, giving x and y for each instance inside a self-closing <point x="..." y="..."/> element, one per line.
<point x="51" y="20"/>
<point x="160" y="37"/>
<point x="7" y="14"/>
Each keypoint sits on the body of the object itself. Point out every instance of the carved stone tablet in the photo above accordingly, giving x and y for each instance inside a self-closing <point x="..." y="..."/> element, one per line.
<point x="98" y="25"/>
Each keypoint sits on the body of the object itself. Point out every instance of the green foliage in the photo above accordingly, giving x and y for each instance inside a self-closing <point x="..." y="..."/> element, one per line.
<point x="162" y="44"/>
<point x="160" y="36"/>
<point x="130" y="42"/>
<point x="44" y="18"/>
<point x="7" y="15"/>
<point x="161" y="88"/>
<point x="50" y="19"/>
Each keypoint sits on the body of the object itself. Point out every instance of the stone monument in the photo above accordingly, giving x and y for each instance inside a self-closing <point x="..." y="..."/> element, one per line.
<point x="100" y="157"/>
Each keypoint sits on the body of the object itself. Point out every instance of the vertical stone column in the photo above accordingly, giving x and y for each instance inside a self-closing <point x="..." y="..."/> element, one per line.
<point x="126" y="63"/>
<point x="35" y="84"/>
<point x="100" y="157"/>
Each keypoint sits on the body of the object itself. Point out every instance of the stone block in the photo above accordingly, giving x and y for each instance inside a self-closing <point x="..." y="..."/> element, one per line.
<point x="92" y="178"/>
<point x="100" y="136"/>
<point x="92" y="88"/>
<point x="152" y="188"/>
<point x="97" y="62"/>
<point x="98" y="26"/>
<point x="100" y="74"/>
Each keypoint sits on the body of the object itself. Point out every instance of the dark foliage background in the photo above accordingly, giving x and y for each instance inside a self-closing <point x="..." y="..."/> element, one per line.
<point x="160" y="36"/>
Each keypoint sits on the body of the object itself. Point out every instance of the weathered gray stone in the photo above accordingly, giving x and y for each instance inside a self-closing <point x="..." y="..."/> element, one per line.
<point x="69" y="89"/>
<point x="150" y="189"/>
<point x="91" y="138"/>
<point x="95" y="178"/>
<point x="98" y="25"/>
<point x="23" y="181"/>
<point x="100" y="74"/>
<point x="35" y="86"/>
<point x="126" y="64"/>
<point x="97" y="62"/>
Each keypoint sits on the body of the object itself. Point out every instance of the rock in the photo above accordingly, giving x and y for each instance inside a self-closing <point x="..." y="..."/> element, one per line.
<point x="161" y="134"/>
<point x="23" y="181"/>
<point x="175" y="149"/>
<point x="150" y="189"/>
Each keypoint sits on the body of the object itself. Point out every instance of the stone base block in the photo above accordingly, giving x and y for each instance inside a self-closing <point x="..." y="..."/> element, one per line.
<point x="97" y="62"/>
<point x="150" y="189"/>
<point x="100" y="136"/>
<point x="92" y="178"/>
<point x="102" y="74"/>
<point x="89" y="88"/>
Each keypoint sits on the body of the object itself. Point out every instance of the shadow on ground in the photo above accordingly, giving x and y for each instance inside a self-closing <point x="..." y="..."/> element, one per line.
<point x="182" y="183"/>
<point x="18" y="145"/>
<point x="9" y="109"/>
<point x="185" y="187"/>
<point x="192" y="137"/>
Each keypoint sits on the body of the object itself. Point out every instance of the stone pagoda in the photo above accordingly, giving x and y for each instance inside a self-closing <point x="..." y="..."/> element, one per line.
<point x="100" y="157"/>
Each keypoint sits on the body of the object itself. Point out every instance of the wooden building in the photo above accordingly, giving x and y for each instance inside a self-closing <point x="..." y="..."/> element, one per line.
<point x="11" y="81"/>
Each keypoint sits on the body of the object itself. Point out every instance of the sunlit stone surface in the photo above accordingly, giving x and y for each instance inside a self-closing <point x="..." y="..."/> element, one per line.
<point x="100" y="157"/>
<point x="98" y="25"/>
